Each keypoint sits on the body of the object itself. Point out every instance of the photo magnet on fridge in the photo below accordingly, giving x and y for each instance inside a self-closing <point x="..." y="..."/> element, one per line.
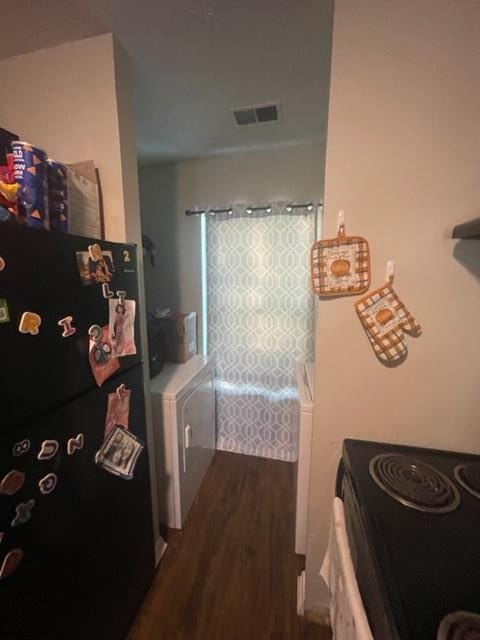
<point x="119" y="453"/>
<point x="122" y="327"/>
<point x="102" y="363"/>
<point x="118" y="411"/>
<point x="95" y="271"/>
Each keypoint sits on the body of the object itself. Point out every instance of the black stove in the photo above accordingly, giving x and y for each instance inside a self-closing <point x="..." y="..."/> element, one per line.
<point x="460" y="625"/>
<point x="468" y="475"/>
<point x="413" y="522"/>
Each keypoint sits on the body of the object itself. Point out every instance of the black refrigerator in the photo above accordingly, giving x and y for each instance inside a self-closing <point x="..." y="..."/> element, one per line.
<point x="76" y="540"/>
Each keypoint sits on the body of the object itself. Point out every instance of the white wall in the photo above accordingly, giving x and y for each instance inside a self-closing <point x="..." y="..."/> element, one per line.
<point x="76" y="101"/>
<point x="167" y="190"/>
<point x="403" y="158"/>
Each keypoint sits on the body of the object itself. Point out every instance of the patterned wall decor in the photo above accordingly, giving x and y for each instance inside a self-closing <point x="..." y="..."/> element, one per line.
<point x="260" y="322"/>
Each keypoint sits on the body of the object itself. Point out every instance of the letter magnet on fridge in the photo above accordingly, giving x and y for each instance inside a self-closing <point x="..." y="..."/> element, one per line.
<point x="30" y="323"/>
<point x="48" y="483"/>
<point x="23" y="513"/>
<point x="75" y="444"/>
<point x="19" y="448"/>
<point x="12" y="482"/>
<point x="48" y="450"/>
<point x="10" y="563"/>
<point x="4" y="314"/>
<point x="106" y="291"/>
<point x="66" y="324"/>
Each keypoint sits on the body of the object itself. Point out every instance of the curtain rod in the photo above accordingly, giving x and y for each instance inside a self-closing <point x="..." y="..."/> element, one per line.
<point x="267" y="208"/>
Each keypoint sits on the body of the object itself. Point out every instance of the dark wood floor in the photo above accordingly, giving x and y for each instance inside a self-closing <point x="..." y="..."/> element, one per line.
<point x="230" y="574"/>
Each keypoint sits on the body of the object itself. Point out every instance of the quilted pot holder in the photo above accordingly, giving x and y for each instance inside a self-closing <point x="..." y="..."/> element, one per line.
<point x="340" y="266"/>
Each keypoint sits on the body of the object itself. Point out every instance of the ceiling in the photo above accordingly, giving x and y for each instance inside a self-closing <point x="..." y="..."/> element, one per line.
<point x="196" y="60"/>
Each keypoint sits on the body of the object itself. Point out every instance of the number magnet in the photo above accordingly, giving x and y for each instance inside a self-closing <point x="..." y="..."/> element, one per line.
<point x="48" y="449"/>
<point x="29" y="323"/>
<point x="95" y="251"/>
<point x="75" y="444"/>
<point x="10" y="563"/>
<point x="107" y="292"/>
<point x="95" y="332"/>
<point x="19" y="448"/>
<point x="121" y="295"/>
<point x="12" y="482"/>
<point x="23" y="513"/>
<point x="66" y="324"/>
<point x="48" y="483"/>
<point x="3" y="264"/>
<point x="126" y="255"/>
<point x="4" y="315"/>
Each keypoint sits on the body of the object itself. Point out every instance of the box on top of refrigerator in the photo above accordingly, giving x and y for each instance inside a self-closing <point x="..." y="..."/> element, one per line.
<point x="84" y="200"/>
<point x="179" y="337"/>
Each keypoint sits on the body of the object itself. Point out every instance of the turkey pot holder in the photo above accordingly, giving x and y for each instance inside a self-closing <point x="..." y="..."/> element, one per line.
<point x="385" y="319"/>
<point x="341" y="265"/>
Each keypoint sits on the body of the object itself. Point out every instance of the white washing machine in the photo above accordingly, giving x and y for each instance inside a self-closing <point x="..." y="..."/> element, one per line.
<point x="183" y="401"/>
<point x="305" y="372"/>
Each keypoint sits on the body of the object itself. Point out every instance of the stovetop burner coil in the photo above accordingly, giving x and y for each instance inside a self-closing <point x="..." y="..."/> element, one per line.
<point x="460" y="625"/>
<point x="468" y="475"/>
<point x="414" y="483"/>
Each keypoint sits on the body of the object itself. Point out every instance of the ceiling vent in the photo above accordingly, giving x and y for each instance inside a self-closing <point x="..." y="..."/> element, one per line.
<point x="255" y="115"/>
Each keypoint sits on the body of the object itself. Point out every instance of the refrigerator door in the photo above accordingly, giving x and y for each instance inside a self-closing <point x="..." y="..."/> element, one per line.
<point x="88" y="549"/>
<point x="40" y="275"/>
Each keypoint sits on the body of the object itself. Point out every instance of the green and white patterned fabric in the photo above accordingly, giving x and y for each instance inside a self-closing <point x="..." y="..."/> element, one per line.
<point x="260" y="322"/>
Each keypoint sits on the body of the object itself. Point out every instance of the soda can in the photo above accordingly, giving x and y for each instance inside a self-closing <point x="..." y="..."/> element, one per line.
<point x="30" y="168"/>
<point x="57" y="196"/>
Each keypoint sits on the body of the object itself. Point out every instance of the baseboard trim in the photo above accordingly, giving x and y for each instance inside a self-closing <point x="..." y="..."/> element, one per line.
<point x="160" y="547"/>
<point x="301" y="594"/>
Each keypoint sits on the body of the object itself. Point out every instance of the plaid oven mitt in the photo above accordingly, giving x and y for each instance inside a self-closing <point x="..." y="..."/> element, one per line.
<point x="385" y="319"/>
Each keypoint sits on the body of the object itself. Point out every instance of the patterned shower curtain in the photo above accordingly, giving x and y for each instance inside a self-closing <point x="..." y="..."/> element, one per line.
<point x="260" y="322"/>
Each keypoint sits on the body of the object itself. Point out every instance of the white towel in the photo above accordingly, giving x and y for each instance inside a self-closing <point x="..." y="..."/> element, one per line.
<point x="347" y="615"/>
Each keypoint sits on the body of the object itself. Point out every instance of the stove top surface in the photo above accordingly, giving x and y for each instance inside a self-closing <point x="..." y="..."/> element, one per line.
<point x="414" y="483"/>
<point x="468" y="476"/>
<point x="422" y="528"/>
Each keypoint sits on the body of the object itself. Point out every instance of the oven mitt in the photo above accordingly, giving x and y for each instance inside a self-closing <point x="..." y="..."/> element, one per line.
<point x="385" y="319"/>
